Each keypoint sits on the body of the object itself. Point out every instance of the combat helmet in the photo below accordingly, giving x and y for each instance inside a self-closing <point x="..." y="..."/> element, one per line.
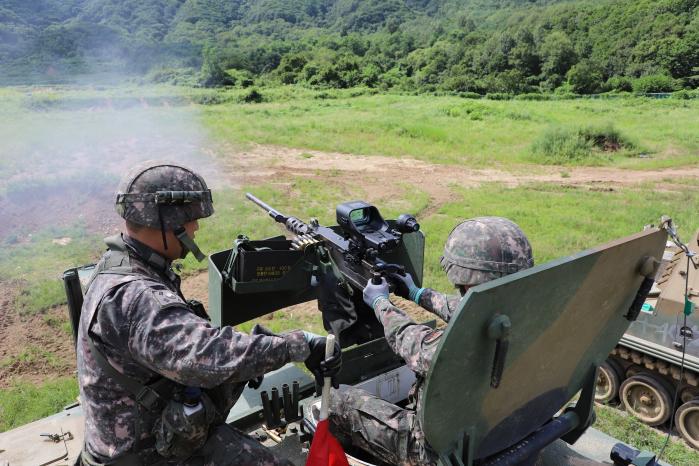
<point x="165" y="196"/>
<point x="485" y="248"/>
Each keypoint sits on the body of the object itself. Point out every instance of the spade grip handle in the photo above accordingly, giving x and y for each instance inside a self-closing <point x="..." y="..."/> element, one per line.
<point x="499" y="330"/>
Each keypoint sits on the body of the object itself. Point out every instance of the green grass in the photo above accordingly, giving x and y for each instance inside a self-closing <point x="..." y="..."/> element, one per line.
<point x="630" y="430"/>
<point x="457" y="131"/>
<point x="558" y="220"/>
<point x="24" y="402"/>
<point x="439" y="129"/>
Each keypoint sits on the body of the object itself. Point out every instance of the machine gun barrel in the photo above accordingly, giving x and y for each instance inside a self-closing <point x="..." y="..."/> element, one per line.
<point x="272" y="212"/>
<point x="292" y="224"/>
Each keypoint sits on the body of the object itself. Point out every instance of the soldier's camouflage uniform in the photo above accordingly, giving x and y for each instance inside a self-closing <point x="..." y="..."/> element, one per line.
<point x="138" y="319"/>
<point x="391" y="433"/>
<point x="477" y="250"/>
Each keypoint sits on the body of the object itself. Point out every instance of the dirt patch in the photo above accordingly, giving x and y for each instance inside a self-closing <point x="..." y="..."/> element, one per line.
<point x="34" y="347"/>
<point x="27" y="212"/>
<point x="381" y="177"/>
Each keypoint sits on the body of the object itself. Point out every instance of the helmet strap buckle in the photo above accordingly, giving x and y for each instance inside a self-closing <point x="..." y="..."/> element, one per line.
<point x="188" y="243"/>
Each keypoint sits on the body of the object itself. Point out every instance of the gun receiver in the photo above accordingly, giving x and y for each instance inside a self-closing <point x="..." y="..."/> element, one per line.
<point x="355" y="253"/>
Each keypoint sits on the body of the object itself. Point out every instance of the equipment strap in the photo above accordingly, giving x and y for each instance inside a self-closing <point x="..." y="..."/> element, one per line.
<point x="189" y="243"/>
<point x="146" y="395"/>
<point x="166" y="197"/>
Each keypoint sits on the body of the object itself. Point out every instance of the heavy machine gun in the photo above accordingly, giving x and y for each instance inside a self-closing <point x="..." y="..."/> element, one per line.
<point x="355" y="252"/>
<point x="360" y="247"/>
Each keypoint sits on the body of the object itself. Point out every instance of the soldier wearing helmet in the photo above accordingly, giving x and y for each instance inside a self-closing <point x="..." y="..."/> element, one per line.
<point x="157" y="380"/>
<point x="477" y="250"/>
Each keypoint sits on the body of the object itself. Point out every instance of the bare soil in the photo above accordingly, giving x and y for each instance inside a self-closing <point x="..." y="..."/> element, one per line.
<point x="380" y="176"/>
<point x="32" y="347"/>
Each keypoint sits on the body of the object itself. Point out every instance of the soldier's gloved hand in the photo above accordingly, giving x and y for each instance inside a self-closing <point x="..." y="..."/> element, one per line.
<point x="372" y="293"/>
<point x="318" y="364"/>
<point x="405" y="286"/>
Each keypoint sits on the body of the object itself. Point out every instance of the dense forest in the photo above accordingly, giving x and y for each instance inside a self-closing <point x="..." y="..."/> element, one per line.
<point x="459" y="46"/>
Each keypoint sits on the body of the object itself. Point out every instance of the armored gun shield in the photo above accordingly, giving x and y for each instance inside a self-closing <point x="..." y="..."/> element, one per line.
<point x="520" y="347"/>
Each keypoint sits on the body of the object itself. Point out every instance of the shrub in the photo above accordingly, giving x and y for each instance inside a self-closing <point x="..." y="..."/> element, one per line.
<point x="253" y="96"/>
<point x="686" y="94"/>
<point x="209" y="98"/>
<point x="533" y="96"/>
<point x="498" y="96"/>
<point x="563" y="145"/>
<point x="619" y="84"/>
<point x="654" y="83"/>
<point x="470" y="95"/>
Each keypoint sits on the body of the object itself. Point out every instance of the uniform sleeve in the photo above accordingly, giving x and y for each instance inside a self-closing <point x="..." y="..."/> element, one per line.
<point x="172" y="341"/>
<point x="415" y="343"/>
<point x="439" y="304"/>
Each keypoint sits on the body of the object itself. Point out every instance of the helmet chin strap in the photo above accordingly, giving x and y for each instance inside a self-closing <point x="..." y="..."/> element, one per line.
<point x="162" y="226"/>
<point x="188" y="244"/>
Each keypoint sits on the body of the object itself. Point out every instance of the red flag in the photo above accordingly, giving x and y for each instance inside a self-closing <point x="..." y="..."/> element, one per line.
<point x="325" y="449"/>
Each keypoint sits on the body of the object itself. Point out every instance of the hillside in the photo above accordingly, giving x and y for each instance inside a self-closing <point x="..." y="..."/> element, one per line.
<point x="424" y="45"/>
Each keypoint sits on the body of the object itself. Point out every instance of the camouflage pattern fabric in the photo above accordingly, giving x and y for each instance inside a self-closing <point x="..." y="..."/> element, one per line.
<point x="228" y="446"/>
<point x="483" y="249"/>
<point x="136" y="200"/>
<point x="178" y="433"/>
<point x="389" y="432"/>
<point x="442" y="305"/>
<point x="381" y="428"/>
<point x="138" y="319"/>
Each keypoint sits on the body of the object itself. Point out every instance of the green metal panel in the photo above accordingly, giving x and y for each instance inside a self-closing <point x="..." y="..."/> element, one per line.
<point x="565" y="316"/>
<point x="237" y="302"/>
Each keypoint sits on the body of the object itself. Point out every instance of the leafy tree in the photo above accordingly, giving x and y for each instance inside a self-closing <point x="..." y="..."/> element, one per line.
<point x="212" y="74"/>
<point x="620" y="84"/>
<point x="558" y="57"/>
<point x="422" y="45"/>
<point x="654" y="83"/>
<point x="585" y="77"/>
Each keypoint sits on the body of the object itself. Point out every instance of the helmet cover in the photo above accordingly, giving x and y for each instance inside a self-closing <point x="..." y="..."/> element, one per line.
<point x="163" y="195"/>
<point x="483" y="249"/>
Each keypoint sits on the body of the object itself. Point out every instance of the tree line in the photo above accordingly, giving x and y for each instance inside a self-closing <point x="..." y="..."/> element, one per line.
<point x="457" y="46"/>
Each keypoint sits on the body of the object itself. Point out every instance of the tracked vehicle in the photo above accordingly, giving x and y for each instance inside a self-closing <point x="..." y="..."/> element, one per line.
<point x="657" y="359"/>
<point x="515" y="330"/>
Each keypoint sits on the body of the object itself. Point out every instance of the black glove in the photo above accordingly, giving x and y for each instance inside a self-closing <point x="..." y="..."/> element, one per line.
<point x="256" y="382"/>
<point x="260" y="330"/>
<point x="318" y="365"/>
<point x="403" y="284"/>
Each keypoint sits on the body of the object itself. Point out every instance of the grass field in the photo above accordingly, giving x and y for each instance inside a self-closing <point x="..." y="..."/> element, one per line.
<point x="460" y="131"/>
<point x="65" y="144"/>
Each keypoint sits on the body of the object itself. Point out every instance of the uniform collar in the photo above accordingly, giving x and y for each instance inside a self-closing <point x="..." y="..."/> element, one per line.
<point x="151" y="257"/>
